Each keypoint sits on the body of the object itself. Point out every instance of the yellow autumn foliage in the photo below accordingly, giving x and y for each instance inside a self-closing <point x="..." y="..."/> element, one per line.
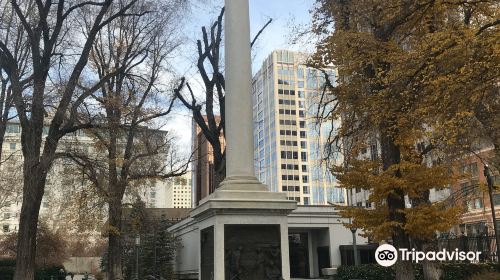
<point x="409" y="72"/>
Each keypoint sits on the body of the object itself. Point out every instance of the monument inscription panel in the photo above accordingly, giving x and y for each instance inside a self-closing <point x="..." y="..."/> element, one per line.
<point x="252" y="252"/>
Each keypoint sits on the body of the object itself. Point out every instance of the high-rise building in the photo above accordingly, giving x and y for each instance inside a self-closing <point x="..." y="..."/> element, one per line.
<point x="288" y="142"/>
<point x="180" y="191"/>
<point x="171" y="193"/>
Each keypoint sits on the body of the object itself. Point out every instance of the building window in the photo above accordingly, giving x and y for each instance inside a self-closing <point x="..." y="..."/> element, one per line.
<point x="303" y="144"/>
<point x="303" y="156"/>
<point x="306" y="200"/>
<point x="469" y="168"/>
<point x="12" y="128"/>
<point x="496" y="199"/>
<point x="303" y="134"/>
<point x="473" y="169"/>
<point x="302" y="124"/>
<point x="478" y="203"/>
<point x="12" y="146"/>
<point x="470" y="205"/>
<point x="152" y="194"/>
<point x="300" y="73"/>
<point x="305" y="189"/>
<point x="305" y="179"/>
<point x="373" y="151"/>
<point x="6" y="228"/>
<point x="6" y="216"/>
<point x="300" y="84"/>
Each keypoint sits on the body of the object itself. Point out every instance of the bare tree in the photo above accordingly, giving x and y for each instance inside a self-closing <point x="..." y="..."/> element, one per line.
<point x="130" y="148"/>
<point x="8" y="30"/>
<point x="43" y="85"/>
<point x="205" y="110"/>
<point x="10" y="184"/>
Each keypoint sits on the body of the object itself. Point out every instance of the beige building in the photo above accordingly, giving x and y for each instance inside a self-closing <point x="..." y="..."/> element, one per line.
<point x="64" y="187"/>
<point x="288" y="143"/>
<point x="180" y="189"/>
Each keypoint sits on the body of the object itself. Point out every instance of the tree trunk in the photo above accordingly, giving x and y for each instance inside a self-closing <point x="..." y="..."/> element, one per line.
<point x="115" y="271"/>
<point x="391" y="155"/>
<point x="404" y="271"/>
<point x="219" y="172"/>
<point x="431" y="270"/>
<point x="34" y="184"/>
<point x="3" y="128"/>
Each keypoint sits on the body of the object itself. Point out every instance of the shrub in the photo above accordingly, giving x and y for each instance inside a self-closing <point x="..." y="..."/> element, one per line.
<point x="486" y="276"/>
<point x="451" y="271"/>
<point x="455" y="271"/>
<point x="365" y="272"/>
<point x="44" y="273"/>
<point x="7" y="268"/>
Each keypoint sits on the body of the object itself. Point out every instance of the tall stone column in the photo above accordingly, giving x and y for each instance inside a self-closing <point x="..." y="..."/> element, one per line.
<point x="247" y="220"/>
<point x="239" y="121"/>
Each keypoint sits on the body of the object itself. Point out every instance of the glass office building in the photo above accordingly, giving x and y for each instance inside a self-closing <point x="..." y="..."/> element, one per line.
<point x="288" y="143"/>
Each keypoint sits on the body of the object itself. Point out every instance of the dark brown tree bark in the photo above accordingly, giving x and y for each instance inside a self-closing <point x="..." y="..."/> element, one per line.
<point x="42" y="26"/>
<point x="26" y="248"/>
<point x="115" y="268"/>
<point x="391" y="155"/>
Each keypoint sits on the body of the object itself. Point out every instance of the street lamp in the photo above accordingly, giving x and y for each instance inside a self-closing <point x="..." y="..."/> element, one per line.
<point x="137" y="243"/>
<point x="355" y="246"/>
<point x="489" y="180"/>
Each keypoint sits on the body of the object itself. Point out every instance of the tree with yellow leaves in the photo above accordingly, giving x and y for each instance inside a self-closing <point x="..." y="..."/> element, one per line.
<point x="415" y="77"/>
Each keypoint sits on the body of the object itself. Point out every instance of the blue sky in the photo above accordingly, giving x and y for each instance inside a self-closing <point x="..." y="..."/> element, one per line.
<point x="285" y="13"/>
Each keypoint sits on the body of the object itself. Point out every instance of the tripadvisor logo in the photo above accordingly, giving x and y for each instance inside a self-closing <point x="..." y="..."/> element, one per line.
<point x="386" y="255"/>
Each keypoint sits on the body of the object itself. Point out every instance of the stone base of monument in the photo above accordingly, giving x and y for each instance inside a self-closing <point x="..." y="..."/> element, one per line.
<point x="243" y="232"/>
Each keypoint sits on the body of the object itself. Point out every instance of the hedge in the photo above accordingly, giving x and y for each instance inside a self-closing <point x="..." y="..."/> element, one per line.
<point x="451" y="271"/>
<point x="454" y="271"/>
<point x="7" y="268"/>
<point x="365" y="272"/>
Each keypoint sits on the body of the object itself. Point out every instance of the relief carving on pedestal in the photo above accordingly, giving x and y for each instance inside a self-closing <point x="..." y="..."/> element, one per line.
<point x="253" y="252"/>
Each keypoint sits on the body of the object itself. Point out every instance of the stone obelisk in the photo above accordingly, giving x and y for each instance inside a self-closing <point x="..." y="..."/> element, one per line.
<point x="238" y="72"/>
<point x="243" y="227"/>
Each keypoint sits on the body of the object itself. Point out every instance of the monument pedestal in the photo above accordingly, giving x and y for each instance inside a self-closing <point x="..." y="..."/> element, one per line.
<point x="242" y="228"/>
<point x="243" y="232"/>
